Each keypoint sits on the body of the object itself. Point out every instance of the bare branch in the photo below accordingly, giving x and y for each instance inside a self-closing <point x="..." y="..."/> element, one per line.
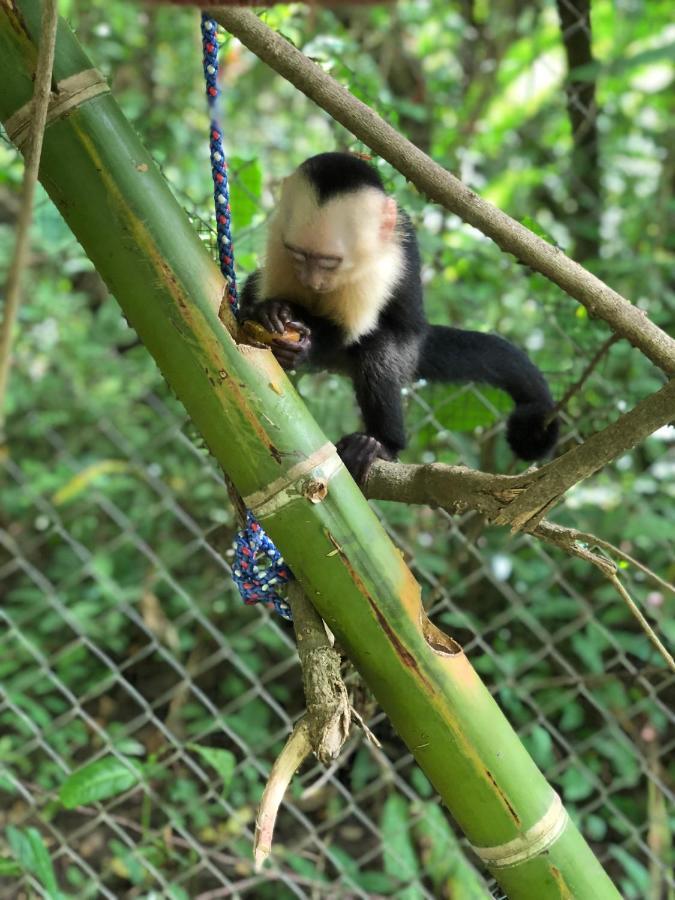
<point x="40" y="105"/>
<point x="296" y="750"/>
<point x="585" y="375"/>
<point x="521" y="500"/>
<point x="593" y="540"/>
<point x="568" y="539"/>
<point x="439" y="185"/>
<point x="649" y="631"/>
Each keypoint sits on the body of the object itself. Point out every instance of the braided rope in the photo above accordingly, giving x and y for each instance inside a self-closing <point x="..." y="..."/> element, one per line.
<point x="258" y="569"/>
<point x="221" y="190"/>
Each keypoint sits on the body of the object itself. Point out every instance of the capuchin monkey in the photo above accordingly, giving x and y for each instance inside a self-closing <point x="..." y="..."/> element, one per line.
<point x="342" y="269"/>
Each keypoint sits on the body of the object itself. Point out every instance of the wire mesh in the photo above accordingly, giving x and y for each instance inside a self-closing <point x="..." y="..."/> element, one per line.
<point x="122" y="637"/>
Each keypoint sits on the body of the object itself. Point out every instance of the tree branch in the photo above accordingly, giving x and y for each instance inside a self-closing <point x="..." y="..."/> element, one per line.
<point x="549" y="483"/>
<point x="456" y="489"/>
<point x="520" y="500"/>
<point x="40" y="105"/>
<point x="439" y="185"/>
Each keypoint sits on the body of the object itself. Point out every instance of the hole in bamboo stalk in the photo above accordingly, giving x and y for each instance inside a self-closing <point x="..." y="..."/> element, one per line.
<point x="438" y="640"/>
<point x="315" y="490"/>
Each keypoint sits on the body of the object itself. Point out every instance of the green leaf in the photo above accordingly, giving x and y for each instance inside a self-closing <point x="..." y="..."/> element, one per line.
<point x="9" y="867"/>
<point x="591" y="71"/>
<point x="362" y="770"/>
<point x="466" y="408"/>
<point x="375" y="882"/>
<point x="99" y="780"/>
<point x="29" y="849"/>
<point x="223" y="761"/>
<point x="305" y="867"/>
<point x="443" y="859"/>
<point x="540" y="745"/>
<point x="595" y="827"/>
<point x="245" y="190"/>
<point x="80" y="482"/>
<point x="637" y="873"/>
<point x="576" y="784"/>
<point x="400" y="859"/>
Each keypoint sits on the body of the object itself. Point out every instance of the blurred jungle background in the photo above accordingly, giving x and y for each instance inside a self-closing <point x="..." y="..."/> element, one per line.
<point x="121" y="635"/>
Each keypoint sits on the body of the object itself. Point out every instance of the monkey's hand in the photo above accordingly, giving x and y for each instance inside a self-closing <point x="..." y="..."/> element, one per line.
<point x="291" y="354"/>
<point x="279" y="317"/>
<point x="274" y="315"/>
<point x="359" y="451"/>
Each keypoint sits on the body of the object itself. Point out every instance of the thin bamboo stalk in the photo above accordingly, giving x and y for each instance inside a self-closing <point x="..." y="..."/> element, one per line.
<point x="117" y="204"/>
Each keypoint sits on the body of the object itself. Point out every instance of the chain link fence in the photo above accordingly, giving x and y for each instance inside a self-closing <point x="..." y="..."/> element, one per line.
<point x="122" y="637"/>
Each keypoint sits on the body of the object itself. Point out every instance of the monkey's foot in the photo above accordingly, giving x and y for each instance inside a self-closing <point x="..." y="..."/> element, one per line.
<point x="358" y="452"/>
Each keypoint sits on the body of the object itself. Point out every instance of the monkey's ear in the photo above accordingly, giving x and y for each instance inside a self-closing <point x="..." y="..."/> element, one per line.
<point x="389" y="217"/>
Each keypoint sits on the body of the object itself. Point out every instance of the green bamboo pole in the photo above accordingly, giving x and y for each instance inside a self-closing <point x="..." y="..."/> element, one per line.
<point x="117" y="204"/>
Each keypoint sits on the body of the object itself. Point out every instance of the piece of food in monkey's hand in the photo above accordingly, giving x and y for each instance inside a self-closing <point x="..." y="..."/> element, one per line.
<point x="257" y="334"/>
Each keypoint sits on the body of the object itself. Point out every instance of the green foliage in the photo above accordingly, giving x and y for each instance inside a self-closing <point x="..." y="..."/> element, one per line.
<point x="119" y="628"/>
<point x="444" y="861"/>
<point x="107" y="777"/>
<point x="221" y="760"/>
<point x="32" y="855"/>
<point x="400" y="859"/>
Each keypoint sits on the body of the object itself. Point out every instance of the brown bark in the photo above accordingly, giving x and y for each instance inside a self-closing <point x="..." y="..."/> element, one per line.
<point x="582" y="109"/>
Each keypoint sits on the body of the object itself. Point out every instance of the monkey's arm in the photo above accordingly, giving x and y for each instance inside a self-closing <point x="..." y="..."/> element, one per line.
<point x="380" y="370"/>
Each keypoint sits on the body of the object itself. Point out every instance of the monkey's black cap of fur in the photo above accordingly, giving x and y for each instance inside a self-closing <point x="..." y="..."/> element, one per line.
<point x="339" y="173"/>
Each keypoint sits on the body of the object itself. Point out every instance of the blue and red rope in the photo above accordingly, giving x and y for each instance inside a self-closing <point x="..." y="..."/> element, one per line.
<point x="258" y="570"/>
<point x="221" y="190"/>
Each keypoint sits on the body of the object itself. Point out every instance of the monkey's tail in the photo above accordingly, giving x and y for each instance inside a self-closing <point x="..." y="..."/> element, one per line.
<point x="451" y="354"/>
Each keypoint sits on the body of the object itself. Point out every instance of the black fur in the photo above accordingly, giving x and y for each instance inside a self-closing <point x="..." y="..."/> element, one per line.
<point x="450" y="354"/>
<point x="333" y="174"/>
<point x="403" y="346"/>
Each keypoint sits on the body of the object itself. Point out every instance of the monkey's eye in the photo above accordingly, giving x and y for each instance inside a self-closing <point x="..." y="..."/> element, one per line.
<point x="297" y="254"/>
<point x="328" y="265"/>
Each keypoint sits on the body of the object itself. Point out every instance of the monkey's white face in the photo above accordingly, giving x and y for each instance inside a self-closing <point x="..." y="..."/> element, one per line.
<point x="333" y="245"/>
<point x="341" y="260"/>
<point x="320" y="274"/>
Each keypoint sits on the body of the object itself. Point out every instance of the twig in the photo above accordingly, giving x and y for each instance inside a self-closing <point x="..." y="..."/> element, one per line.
<point x="569" y="540"/>
<point x="296" y="750"/>
<point x="368" y="734"/>
<point x="40" y="105"/>
<point x="646" y="627"/>
<point x="593" y="540"/>
<point x="585" y="375"/>
<point x="439" y="185"/>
